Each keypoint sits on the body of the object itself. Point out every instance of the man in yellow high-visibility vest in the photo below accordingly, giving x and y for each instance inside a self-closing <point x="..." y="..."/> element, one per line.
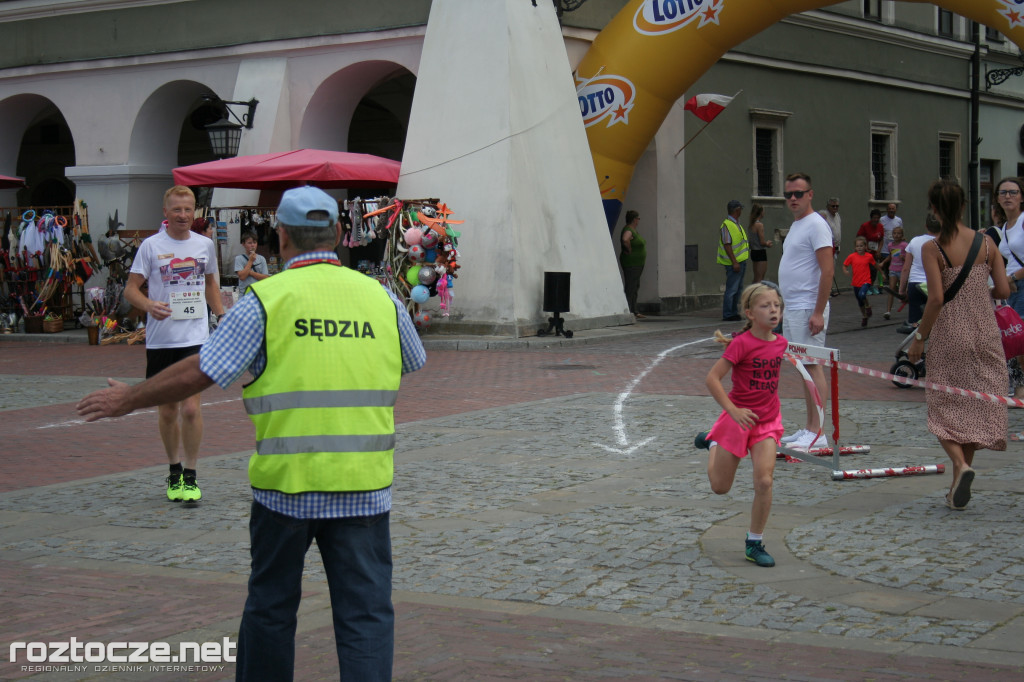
<point x="326" y="346"/>
<point x="733" y="253"/>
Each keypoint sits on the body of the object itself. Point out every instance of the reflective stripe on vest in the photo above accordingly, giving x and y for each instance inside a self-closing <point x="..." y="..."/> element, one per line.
<point x="291" y="401"/>
<point x="323" y="407"/>
<point x="740" y="246"/>
<point x="299" y="444"/>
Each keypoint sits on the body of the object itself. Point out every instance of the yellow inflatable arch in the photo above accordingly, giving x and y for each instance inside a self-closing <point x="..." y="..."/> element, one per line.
<point x="624" y="96"/>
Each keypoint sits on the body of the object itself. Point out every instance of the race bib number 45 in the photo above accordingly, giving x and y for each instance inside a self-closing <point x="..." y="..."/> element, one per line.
<point x="188" y="305"/>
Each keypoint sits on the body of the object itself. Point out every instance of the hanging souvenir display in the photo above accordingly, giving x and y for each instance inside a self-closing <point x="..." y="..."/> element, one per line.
<point x="44" y="257"/>
<point x="420" y="258"/>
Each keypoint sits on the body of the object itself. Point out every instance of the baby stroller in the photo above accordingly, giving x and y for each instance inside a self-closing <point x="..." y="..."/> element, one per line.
<point x="903" y="367"/>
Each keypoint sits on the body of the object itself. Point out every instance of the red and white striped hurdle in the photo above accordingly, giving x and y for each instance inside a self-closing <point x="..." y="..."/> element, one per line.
<point x="798" y="354"/>
<point x="886" y="471"/>
<point x="827" y="452"/>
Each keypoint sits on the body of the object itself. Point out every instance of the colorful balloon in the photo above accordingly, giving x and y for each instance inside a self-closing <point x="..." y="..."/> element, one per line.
<point x="417" y="253"/>
<point x="422" y="320"/>
<point x="413" y="236"/>
<point x="427" y="276"/>
<point x="420" y="293"/>
<point x="412" y="275"/>
<point x="429" y="239"/>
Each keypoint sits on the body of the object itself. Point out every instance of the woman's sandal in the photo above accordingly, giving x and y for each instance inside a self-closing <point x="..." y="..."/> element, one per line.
<point x="961" y="493"/>
<point x="949" y="502"/>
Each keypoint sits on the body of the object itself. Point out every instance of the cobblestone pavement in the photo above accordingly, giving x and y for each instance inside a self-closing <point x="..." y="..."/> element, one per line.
<point x="533" y="537"/>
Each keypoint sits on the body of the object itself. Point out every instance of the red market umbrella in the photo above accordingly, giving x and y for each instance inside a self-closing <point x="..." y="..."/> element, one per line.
<point x="7" y="182"/>
<point x="282" y="170"/>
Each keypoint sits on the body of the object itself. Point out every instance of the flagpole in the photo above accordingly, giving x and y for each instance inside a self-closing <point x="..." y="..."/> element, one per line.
<point x="704" y="126"/>
<point x="694" y="135"/>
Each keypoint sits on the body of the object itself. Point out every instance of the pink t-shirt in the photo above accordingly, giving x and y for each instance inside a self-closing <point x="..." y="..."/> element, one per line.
<point x="755" y="373"/>
<point x="898" y="251"/>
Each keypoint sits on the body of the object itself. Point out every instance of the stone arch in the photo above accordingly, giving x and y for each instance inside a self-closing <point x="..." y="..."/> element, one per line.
<point x="32" y="115"/>
<point x="328" y="116"/>
<point x="654" y="50"/>
<point x="156" y="132"/>
<point x="381" y="119"/>
<point x="155" y="148"/>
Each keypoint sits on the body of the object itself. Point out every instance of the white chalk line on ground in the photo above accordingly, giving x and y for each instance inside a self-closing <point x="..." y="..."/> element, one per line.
<point x="76" y="422"/>
<point x="619" y="423"/>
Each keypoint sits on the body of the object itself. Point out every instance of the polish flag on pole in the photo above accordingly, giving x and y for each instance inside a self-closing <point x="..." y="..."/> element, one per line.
<point x="706" y="107"/>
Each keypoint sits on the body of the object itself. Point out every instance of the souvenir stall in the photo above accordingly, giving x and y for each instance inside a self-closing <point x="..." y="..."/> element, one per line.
<point x="410" y="246"/>
<point x="46" y="257"/>
<point x="278" y="171"/>
<point x="108" y="317"/>
<point x="419" y="251"/>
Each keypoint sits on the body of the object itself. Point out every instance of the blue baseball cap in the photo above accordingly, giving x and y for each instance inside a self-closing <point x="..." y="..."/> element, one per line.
<point x="298" y="204"/>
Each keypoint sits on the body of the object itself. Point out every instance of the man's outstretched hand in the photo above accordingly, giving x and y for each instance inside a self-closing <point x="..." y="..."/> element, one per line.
<point x="105" y="403"/>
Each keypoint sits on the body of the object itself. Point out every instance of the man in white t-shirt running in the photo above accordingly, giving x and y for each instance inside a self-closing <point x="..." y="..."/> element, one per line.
<point x="890" y="221"/>
<point x="805" y="279"/>
<point x="180" y="267"/>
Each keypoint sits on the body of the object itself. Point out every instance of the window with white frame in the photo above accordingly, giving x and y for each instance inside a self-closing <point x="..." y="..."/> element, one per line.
<point x="883" y="162"/>
<point x="949" y="156"/>
<point x="767" y="127"/>
<point x="873" y="9"/>
<point x="945" y="23"/>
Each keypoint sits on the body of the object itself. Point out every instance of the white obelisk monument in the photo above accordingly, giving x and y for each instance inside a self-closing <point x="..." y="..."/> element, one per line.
<point x="496" y="133"/>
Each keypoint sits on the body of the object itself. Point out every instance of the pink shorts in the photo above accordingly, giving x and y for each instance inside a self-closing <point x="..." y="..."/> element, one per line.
<point x="738" y="440"/>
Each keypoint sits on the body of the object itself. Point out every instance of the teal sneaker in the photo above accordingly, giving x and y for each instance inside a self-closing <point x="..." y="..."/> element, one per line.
<point x="701" y="442"/>
<point x="174" y="488"/>
<point x="758" y="554"/>
<point x="189" y="490"/>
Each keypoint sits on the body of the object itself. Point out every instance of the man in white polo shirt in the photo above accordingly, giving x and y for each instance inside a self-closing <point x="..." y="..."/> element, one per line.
<point x="805" y="279"/>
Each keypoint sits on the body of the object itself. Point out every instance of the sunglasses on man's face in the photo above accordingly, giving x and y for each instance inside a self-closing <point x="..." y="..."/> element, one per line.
<point x="799" y="193"/>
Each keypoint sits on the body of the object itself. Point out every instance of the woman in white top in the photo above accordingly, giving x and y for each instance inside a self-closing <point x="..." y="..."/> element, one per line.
<point x="1010" y="195"/>
<point x="913" y="278"/>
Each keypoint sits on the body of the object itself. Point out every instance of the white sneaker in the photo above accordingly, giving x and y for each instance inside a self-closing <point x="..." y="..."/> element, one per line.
<point x="809" y="442"/>
<point x="795" y="436"/>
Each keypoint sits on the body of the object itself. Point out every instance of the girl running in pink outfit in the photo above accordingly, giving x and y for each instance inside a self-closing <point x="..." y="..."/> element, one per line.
<point x="750" y="421"/>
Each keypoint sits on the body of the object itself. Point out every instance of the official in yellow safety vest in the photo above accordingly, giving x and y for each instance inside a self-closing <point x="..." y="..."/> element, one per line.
<point x="733" y="253"/>
<point x="327" y="347"/>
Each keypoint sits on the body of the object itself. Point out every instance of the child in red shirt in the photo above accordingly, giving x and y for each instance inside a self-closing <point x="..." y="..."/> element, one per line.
<point x="863" y="263"/>
<point x="750" y="420"/>
<point x="874" y="232"/>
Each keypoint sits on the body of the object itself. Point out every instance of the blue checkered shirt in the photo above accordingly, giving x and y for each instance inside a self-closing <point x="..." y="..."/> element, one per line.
<point x="237" y="345"/>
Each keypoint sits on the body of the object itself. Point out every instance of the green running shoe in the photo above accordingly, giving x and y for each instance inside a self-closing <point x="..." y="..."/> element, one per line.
<point x="757" y="553"/>
<point x="189" y="490"/>
<point x="174" y="488"/>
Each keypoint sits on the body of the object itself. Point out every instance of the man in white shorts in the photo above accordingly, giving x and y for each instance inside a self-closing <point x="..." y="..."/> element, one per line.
<point x="805" y="279"/>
